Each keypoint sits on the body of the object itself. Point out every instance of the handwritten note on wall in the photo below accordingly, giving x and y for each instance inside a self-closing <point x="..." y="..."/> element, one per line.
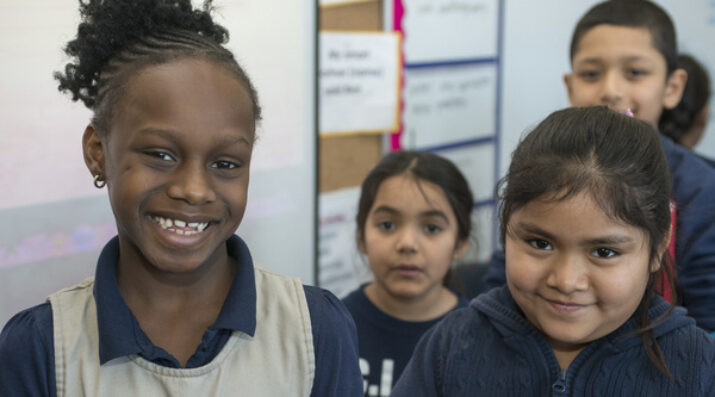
<point x="448" y="104"/>
<point x="448" y="30"/>
<point x="359" y="82"/>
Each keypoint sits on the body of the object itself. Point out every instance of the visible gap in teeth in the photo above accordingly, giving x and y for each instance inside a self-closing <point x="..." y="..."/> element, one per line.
<point x="167" y="224"/>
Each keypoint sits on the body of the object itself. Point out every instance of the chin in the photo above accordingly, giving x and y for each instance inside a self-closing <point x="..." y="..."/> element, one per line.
<point x="407" y="291"/>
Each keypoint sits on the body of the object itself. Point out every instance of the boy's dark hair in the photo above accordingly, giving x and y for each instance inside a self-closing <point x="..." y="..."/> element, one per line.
<point x="675" y="122"/>
<point x="117" y="38"/>
<point x="420" y="166"/>
<point x="633" y="14"/>
<point x="619" y="162"/>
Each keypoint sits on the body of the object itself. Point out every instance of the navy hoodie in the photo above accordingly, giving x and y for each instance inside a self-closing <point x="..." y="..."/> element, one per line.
<point x="490" y="349"/>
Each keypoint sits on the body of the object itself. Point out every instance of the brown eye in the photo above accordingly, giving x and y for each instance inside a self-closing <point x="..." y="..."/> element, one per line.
<point x="386" y="225"/>
<point x="604" y="252"/>
<point x="223" y="164"/>
<point x="432" y="228"/>
<point x="589" y="74"/>
<point x="540" y="244"/>
<point x="161" y="155"/>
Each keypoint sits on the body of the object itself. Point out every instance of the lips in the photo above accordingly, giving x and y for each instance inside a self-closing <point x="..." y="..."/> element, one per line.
<point x="407" y="270"/>
<point x="565" y="306"/>
<point x="179" y="226"/>
<point x="179" y="231"/>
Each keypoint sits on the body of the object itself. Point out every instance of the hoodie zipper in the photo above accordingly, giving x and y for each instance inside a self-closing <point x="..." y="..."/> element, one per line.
<point x="559" y="387"/>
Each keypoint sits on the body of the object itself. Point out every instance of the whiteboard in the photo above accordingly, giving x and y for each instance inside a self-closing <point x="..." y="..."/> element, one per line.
<point x="536" y="43"/>
<point x="54" y="221"/>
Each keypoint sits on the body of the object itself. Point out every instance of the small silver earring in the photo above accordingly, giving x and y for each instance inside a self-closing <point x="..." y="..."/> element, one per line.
<point x="99" y="182"/>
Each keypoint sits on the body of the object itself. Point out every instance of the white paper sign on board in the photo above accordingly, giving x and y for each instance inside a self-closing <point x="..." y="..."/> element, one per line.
<point x="359" y="82"/>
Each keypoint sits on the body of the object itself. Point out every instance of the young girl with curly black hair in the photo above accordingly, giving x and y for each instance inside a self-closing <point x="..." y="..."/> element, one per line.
<point x="177" y="306"/>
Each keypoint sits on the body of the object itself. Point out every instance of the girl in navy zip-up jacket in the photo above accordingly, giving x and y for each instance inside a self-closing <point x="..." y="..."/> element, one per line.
<point x="585" y="221"/>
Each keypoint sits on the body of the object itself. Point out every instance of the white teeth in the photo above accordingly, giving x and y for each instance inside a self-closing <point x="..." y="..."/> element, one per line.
<point x="168" y="225"/>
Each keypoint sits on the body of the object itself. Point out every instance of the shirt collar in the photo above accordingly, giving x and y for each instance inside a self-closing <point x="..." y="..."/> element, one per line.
<point x="119" y="331"/>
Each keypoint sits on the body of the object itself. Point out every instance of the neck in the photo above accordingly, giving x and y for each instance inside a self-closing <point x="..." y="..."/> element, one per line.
<point x="565" y="354"/>
<point x="428" y="306"/>
<point x="151" y="292"/>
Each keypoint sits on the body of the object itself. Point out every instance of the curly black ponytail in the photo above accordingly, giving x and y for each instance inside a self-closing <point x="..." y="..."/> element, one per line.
<point x="116" y="38"/>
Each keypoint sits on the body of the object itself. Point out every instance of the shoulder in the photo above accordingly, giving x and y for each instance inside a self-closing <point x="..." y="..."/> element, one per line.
<point x="355" y="297"/>
<point x="360" y="306"/>
<point x="335" y="344"/>
<point x="27" y="351"/>
<point x="690" y="354"/>
<point x="326" y="309"/>
<point x="686" y="168"/>
<point x="33" y="325"/>
<point x="691" y="343"/>
<point x="461" y="330"/>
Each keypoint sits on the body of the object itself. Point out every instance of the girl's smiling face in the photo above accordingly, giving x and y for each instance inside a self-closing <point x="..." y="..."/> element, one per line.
<point x="576" y="273"/>
<point x="176" y="161"/>
<point x="619" y="67"/>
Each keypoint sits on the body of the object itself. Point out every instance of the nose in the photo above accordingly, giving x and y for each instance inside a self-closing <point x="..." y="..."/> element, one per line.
<point x="611" y="89"/>
<point x="407" y="240"/>
<point x="568" y="274"/>
<point x="192" y="184"/>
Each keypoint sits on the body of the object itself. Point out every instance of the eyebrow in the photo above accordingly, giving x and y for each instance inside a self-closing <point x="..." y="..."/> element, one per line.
<point x="610" y="240"/>
<point x="614" y="239"/>
<point x="170" y="135"/>
<point x="533" y="229"/>
<point x="598" y="60"/>
<point x="425" y="214"/>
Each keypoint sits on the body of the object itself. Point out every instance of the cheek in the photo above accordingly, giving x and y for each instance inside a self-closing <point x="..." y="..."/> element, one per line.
<point x="235" y="194"/>
<point x="583" y="95"/>
<point x="622" y="289"/>
<point x="521" y="273"/>
<point x="375" y="248"/>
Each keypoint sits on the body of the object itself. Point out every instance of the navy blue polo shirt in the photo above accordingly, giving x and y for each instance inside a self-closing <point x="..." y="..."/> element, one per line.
<point x="27" y="360"/>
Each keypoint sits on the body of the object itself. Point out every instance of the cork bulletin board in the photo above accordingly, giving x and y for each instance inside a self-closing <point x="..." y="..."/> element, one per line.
<point x="344" y="161"/>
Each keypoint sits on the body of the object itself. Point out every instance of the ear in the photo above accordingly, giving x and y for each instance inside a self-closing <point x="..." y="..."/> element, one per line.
<point x="674" y="87"/>
<point x="461" y="249"/>
<point x="93" y="150"/>
<point x="568" y="81"/>
<point x="655" y="266"/>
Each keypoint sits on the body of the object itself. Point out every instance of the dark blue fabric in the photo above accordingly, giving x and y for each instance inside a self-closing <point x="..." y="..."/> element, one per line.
<point x="27" y="365"/>
<point x="708" y="161"/>
<point x="693" y="190"/>
<point x="490" y="349"/>
<point x="383" y="337"/>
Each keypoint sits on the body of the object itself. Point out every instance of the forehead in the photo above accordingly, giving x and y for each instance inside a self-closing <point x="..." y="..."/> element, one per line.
<point x="187" y="92"/>
<point x="407" y="193"/>
<point x="612" y="42"/>
<point x="576" y="217"/>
